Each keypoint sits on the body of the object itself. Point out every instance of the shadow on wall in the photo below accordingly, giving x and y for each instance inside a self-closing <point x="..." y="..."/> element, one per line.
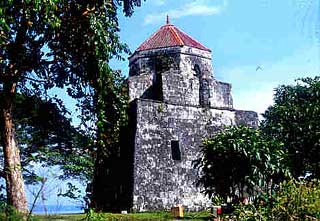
<point x="115" y="184"/>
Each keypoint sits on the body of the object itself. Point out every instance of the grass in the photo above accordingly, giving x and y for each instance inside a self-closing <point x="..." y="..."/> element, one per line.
<point x="59" y="217"/>
<point x="122" y="217"/>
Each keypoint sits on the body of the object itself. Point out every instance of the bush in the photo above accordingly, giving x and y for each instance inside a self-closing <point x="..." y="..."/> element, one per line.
<point x="240" y="161"/>
<point x="9" y="212"/>
<point x="294" y="200"/>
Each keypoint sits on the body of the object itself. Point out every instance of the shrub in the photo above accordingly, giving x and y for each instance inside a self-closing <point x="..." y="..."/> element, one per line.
<point x="239" y="161"/>
<point x="294" y="200"/>
<point x="10" y="213"/>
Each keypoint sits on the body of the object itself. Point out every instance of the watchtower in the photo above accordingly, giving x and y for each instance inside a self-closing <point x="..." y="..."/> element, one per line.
<point x="176" y="103"/>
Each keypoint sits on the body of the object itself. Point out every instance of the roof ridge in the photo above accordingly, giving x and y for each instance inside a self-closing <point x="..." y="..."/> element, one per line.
<point x="175" y="34"/>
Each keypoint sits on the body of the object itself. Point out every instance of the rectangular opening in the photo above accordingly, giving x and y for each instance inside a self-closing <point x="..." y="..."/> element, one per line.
<point x="175" y="149"/>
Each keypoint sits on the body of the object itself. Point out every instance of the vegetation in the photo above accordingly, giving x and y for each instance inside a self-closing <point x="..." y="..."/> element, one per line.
<point x="92" y="216"/>
<point x="49" y="44"/>
<point x="259" y="162"/>
<point x="241" y="162"/>
<point x="24" y="30"/>
<point x="161" y="215"/>
<point x="47" y="136"/>
<point x="294" y="119"/>
<point x="295" y="200"/>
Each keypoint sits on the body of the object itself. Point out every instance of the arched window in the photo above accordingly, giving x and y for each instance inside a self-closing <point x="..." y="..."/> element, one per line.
<point x="198" y="75"/>
<point x="204" y="91"/>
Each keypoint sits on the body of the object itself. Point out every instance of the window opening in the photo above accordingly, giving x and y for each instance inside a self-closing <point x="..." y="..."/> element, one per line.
<point x="175" y="149"/>
<point x="197" y="70"/>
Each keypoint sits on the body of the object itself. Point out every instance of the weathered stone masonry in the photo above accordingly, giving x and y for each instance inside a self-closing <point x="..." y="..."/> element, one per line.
<point x="176" y="103"/>
<point x="159" y="181"/>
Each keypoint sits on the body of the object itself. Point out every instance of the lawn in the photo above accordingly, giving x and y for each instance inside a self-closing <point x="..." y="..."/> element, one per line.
<point x="62" y="217"/>
<point x="122" y="217"/>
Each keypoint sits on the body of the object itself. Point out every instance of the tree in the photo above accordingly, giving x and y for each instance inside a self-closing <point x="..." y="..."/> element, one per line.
<point x="294" y="119"/>
<point x="47" y="137"/>
<point x="25" y="28"/>
<point x="112" y="119"/>
<point x="101" y="93"/>
<point x="240" y="160"/>
<point x="46" y="44"/>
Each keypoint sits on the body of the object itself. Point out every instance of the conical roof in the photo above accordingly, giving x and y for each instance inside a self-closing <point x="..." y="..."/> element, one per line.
<point x="169" y="36"/>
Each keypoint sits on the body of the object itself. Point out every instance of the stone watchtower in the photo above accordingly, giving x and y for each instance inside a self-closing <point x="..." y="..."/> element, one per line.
<point x="176" y="103"/>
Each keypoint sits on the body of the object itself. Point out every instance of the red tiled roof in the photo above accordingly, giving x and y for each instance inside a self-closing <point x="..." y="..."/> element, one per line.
<point x="169" y="36"/>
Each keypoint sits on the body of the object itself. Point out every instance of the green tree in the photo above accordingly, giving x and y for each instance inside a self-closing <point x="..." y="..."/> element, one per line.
<point x="112" y="118"/>
<point x="239" y="161"/>
<point x="46" y="136"/>
<point x="101" y="93"/>
<point x="46" y="44"/>
<point x="25" y="28"/>
<point x="294" y="119"/>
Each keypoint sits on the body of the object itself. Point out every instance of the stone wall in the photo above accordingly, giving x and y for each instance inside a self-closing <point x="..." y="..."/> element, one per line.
<point x="177" y="75"/>
<point x="179" y="88"/>
<point x="159" y="181"/>
<point x="190" y="57"/>
<point x="220" y="95"/>
<point x="139" y="86"/>
<point x="145" y="61"/>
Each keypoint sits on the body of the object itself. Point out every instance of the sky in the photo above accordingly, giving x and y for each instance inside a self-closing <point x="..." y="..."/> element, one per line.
<point x="256" y="45"/>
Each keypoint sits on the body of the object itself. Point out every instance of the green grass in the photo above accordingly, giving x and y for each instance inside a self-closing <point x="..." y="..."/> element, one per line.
<point x="122" y="217"/>
<point x="62" y="217"/>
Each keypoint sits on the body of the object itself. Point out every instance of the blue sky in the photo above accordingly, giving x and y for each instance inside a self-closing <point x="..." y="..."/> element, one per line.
<point x="278" y="36"/>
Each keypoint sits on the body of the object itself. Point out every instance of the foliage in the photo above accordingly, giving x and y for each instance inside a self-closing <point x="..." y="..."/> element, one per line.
<point x="87" y="40"/>
<point x="298" y="200"/>
<point x="27" y="27"/>
<point x="47" y="137"/>
<point x="287" y="141"/>
<point x="104" y="104"/>
<point x="240" y="160"/>
<point x="72" y="192"/>
<point x="110" y="109"/>
<point x="294" y="200"/>
<point x="65" y="44"/>
<point x="8" y="212"/>
<point x="249" y="212"/>
<point x="294" y="119"/>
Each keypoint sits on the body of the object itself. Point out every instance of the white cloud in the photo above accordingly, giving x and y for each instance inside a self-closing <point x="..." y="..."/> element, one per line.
<point x="253" y="88"/>
<point x="197" y="7"/>
<point x="159" y="2"/>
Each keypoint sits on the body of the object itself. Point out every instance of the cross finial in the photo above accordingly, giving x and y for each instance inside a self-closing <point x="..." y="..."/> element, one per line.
<point x="168" y="20"/>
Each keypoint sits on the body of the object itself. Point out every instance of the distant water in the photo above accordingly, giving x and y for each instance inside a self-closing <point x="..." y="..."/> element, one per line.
<point x="57" y="209"/>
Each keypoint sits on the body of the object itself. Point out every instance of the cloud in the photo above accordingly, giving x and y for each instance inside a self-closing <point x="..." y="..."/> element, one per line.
<point x="197" y="7"/>
<point x="253" y="89"/>
<point x="159" y="2"/>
